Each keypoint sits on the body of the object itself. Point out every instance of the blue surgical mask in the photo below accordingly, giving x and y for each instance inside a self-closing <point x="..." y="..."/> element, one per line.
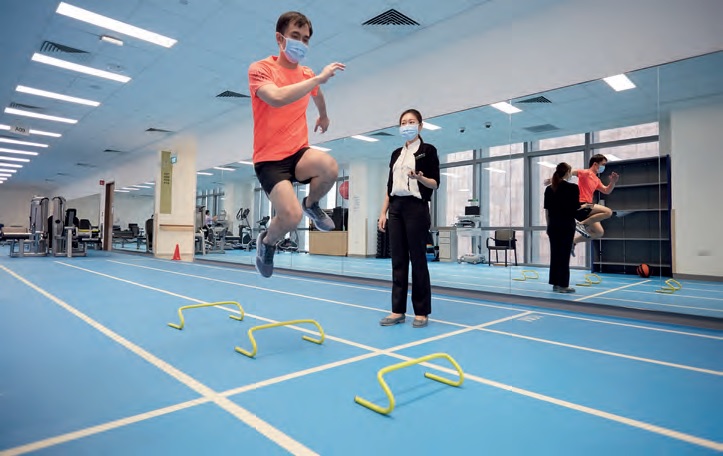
<point x="601" y="169"/>
<point x="295" y="50"/>
<point x="409" y="132"/>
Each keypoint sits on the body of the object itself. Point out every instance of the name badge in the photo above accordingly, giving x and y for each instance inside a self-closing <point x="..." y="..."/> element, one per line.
<point x="417" y="157"/>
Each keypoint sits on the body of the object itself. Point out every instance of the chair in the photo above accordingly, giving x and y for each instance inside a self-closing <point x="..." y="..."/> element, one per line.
<point x="502" y="240"/>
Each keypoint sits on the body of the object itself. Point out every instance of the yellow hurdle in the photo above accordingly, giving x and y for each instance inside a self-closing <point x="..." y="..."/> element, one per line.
<point x="208" y="304"/>
<point x="527" y="274"/>
<point x="253" y="352"/>
<point x="380" y="377"/>
<point x="590" y="280"/>
<point x="672" y="286"/>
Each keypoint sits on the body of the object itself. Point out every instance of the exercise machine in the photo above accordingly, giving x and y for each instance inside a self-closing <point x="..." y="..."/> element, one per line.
<point x="33" y="242"/>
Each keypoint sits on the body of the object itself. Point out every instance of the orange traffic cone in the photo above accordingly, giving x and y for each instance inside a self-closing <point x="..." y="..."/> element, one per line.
<point x="177" y="253"/>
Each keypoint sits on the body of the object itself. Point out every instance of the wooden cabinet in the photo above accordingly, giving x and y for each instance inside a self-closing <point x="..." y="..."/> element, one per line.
<point x="330" y="243"/>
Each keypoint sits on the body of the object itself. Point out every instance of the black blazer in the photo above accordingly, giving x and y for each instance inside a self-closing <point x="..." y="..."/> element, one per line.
<point x="561" y="204"/>
<point x="426" y="161"/>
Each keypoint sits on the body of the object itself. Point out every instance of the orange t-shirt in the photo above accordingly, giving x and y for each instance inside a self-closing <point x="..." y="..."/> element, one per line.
<point x="278" y="132"/>
<point x="588" y="183"/>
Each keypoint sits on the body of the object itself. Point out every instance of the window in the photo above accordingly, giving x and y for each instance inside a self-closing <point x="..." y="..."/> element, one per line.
<point x="634" y="131"/>
<point x="502" y="193"/>
<point x="501" y="151"/>
<point x="457" y="157"/>
<point x="541" y="250"/>
<point x="561" y="141"/>
<point x="648" y="149"/>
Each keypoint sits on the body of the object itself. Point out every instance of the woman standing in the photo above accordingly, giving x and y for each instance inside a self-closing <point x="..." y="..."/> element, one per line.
<point x="413" y="176"/>
<point x="562" y="200"/>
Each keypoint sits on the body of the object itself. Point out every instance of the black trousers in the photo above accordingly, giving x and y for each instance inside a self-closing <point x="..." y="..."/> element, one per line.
<point x="408" y="225"/>
<point x="561" y="237"/>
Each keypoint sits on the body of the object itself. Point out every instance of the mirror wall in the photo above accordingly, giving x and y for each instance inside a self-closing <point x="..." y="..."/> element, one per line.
<point x="494" y="163"/>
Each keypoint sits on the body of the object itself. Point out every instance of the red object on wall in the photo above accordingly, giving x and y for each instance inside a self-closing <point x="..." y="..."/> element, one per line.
<point x="344" y="189"/>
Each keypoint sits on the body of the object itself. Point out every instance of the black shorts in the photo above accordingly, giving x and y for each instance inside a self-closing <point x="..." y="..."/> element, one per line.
<point x="272" y="172"/>
<point x="582" y="214"/>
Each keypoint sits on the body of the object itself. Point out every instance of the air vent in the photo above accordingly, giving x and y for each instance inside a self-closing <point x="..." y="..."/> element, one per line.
<point x="541" y="128"/>
<point x="158" y="130"/>
<point x="24" y="106"/>
<point x="231" y="94"/>
<point x="381" y="133"/>
<point x="539" y="99"/>
<point x="391" y="17"/>
<point x="85" y="165"/>
<point x="50" y="47"/>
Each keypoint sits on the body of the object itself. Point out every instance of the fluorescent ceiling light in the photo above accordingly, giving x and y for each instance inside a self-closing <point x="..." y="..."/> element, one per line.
<point x="149" y="183"/>
<point x="19" y="152"/>
<point x="10" y="165"/>
<point x="5" y="175"/>
<point x="131" y="189"/>
<point x="612" y="158"/>
<point x="221" y="168"/>
<point x="463" y="190"/>
<point x="141" y="186"/>
<point x="22" y="143"/>
<point x="56" y="96"/>
<point x="619" y="82"/>
<point x="2" y="157"/>
<point x="121" y="191"/>
<point x="34" y="132"/>
<point x="246" y="162"/>
<point x="79" y="68"/>
<point x="365" y="138"/>
<point x="201" y="173"/>
<point x="35" y="115"/>
<point x="506" y="107"/>
<point x="112" y="24"/>
<point x="111" y="40"/>
<point x="323" y="149"/>
<point x="428" y="126"/>
<point x="495" y="170"/>
<point x="8" y="170"/>
<point x="547" y="164"/>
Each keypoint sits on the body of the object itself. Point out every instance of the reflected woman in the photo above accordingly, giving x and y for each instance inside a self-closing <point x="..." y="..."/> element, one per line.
<point x="413" y="176"/>
<point x="562" y="200"/>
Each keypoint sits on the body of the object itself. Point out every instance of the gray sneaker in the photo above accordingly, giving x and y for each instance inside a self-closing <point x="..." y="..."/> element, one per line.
<point x="264" y="256"/>
<point x="582" y="229"/>
<point x="322" y="221"/>
<point x="558" y="289"/>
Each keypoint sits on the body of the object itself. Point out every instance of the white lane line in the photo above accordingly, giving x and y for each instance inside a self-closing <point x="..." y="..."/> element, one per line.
<point x="461" y="301"/>
<point x="605" y="352"/>
<point x="621" y="355"/>
<point x="79" y="434"/>
<point x="651" y="303"/>
<point x="247" y="417"/>
<point x="582" y="298"/>
<point x="581" y="408"/>
<point x="604" y="322"/>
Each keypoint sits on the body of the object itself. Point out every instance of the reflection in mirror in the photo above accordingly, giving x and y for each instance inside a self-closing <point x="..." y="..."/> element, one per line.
<point x="493" y="170"/>
<point x="87" y="210"/>
<point x="133" y="209"/>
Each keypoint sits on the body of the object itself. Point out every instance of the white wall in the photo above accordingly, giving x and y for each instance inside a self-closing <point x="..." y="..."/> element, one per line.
<point x="696" y="164"/>
<point x="15" y="205"/>
<point x="367" y="180"/>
